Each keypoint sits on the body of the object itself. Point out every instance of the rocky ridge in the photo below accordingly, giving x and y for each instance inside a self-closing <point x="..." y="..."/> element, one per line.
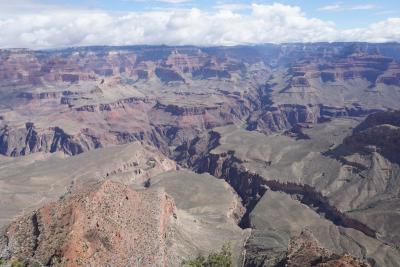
<point x="304" y="250"/>
<point x="101" y="224"/>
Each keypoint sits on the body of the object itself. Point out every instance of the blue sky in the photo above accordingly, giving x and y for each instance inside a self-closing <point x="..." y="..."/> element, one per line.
<point x="57" y="23"/>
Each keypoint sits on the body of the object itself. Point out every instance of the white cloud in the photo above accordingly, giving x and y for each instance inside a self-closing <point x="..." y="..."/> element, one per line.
<point x="272" y="23"/>
<point x="384" y="31"/>
<point x="362" y="7"/>
<point x="331" y="7"/>
<point x="340" y="7"/>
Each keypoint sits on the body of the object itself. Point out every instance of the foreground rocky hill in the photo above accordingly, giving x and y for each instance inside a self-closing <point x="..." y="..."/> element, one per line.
<point x="95" y="226"/>
<point x="108" y="223"/>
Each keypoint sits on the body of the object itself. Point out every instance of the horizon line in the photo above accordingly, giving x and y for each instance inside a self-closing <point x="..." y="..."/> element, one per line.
<point x="194" y="46"/>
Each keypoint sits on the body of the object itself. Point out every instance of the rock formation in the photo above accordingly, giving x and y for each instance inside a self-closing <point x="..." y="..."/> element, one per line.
<point x="304" y="250"/>
<point x="102" y="224"/>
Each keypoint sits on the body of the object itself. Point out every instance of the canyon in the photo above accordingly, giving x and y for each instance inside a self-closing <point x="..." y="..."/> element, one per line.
<point x="156" y="154"/>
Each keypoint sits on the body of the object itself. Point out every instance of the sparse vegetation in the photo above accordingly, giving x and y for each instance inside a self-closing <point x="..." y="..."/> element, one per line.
<point x="17" y="263"/>
<point x="12" y="262"/>
<point x="359" y="209"/>
<point x="147" y="183"/>
<point x="222" y="258"/>
<point x="78" y="261"/>
<point x="151" y="163"/>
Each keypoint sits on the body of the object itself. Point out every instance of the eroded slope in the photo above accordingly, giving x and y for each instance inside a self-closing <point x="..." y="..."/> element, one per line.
<point x="101" y="224"/>
<point x="289" y="184"/>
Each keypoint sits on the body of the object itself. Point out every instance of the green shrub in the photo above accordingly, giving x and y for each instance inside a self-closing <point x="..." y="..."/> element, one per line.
<point x="12" y="263"/>
<point x="222" y="258"/>
<point x="17" y="263"/>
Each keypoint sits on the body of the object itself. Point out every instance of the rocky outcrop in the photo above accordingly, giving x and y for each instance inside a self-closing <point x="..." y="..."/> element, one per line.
<point x="283" y="117"/>
<point x="103" y="224"/>
<point x="380" y="118"/>
<point x="287" y="116"/>
<point x="300" y="82"/>
<point x="23" y="141"/>
<point x="304" y="250"/>
<point x="384" y="139"/>
<point x="297" y="132"/>
<point x="72" y="78"/>
<point x="126" y="103"/>
<point x="176" y="110"/>
<point x="166" y="75"/>
<point x="389" y="80"/>
<point x="301" y="250"/>
<point x="379" y="132"/>
<point x="191" y="152"/>
<point x="43" y="95"/>
<point x="186" y="62"/>
<point x="206" y="73"/>
<point x="360" y="65"/>
<point x="280" y="118"/>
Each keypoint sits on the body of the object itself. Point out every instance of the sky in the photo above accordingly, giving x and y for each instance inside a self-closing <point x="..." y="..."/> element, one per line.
<point x="39" y="24"/>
